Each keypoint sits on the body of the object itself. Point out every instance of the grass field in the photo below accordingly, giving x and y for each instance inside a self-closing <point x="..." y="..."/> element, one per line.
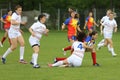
<point x="50" y="48"/>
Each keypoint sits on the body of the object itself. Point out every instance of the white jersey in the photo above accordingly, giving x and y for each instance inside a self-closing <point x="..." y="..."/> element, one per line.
<point x="104" y="18"/>
<point x="78" y="49"/>
<point x="39" y="29"/>
<point x="17" y="18"/>
<point x="109" y="25"/>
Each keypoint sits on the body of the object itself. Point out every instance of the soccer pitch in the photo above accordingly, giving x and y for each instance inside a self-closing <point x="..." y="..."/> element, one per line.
<point x="51" y="47"/>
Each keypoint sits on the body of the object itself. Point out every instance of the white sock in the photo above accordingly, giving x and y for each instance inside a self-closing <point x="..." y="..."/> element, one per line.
<point x="7" y="52"/>
<point x="100" y="44"/>
<point x="35" y="57"/>
<point x="102" y="41"/>
<point x="32" y="60"/>
<point x="22" y="49"/>
<point x="112" y="51"/>
<point x="59" y="63"/>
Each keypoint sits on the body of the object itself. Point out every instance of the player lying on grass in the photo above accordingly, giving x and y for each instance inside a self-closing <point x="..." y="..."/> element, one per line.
<point x="90" y="41"/>
<point x="37" y="30"/>
<point x="77" y="55"/>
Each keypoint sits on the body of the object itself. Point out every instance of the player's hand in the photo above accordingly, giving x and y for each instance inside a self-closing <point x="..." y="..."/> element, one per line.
<point x="33" y="34"/>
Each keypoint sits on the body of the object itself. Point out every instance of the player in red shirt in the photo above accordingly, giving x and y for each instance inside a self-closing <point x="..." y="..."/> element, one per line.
<point x="72" y="24"/>
<point x="6" y="19"/>
<point x="89" y="23"/>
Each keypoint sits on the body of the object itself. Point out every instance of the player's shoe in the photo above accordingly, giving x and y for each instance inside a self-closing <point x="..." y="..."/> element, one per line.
<point x="55" y="60"/>
<point x="22" y="61"/>
<point x="96" y="64"/>
<point x="31" y="63"/>
<point x="3" y="60"/>
<point x="1" y="44"/>
<point x="50" y="65"/>
<point x="114" y="55"/>
<point x="36" y="66"/>
<point x="64" y="52"/>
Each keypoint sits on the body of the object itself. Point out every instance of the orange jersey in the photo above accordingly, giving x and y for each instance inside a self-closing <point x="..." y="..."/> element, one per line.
<point x="90" y="22"/>
<point x="72" y="26"/>
<point x="7" y="19"/>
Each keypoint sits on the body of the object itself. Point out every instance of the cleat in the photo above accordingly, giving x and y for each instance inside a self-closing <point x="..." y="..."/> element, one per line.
<point x="31" y="63"/>
<point x="96" y="64"/>
<point x="50" y="65"/>
<point x="22" y="61"/>
<point x="114" y="55"/>
<point x="64" y="52"/>
<point x="55" y="60"/>
<point x="3" y="60"/>
<point x="1" y="45"/>
<point x="36" y="66"/>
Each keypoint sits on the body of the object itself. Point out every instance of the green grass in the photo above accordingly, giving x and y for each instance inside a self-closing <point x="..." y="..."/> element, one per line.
<point x="50" y="48"/>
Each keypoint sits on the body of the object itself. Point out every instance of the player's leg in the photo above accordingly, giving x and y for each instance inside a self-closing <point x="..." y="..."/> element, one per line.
<point x="93" y="54"/>
<point x="22" y="49"/>
<point x="4" y="38"/>
<point x="10" y="49"/>
<point x="111" y="47"/>
<point x="35" y="56"/>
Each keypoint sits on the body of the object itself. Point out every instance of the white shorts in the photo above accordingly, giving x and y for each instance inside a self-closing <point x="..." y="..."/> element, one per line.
<point x="107" y="35"/>
<point x="12" y="33"/>
<point x="74" y="60"/>
<point x="34" y="41"/>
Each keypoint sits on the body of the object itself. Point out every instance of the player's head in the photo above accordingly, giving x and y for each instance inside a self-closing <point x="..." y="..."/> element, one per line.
<point x="108" y="12"/>
<point x="94" y="34"/>
<point x="9" y="12"/>
<point x="81" y="36"/>
<point x="18" y="9"/>
<point x="42" y="18"/>
<point x="90" y="14"/>
<point x="70" y="9"/>
<point x="72" y="14"/>
<point x="111" y="16"/>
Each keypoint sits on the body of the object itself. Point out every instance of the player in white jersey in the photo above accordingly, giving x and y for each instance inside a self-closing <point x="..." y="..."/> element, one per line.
<point x="76" y="58"/>
<point x="15" y="35"/>
<point x="110" y="25"/>
<point x="102" y="20"/>
<point x="37" y="30"/>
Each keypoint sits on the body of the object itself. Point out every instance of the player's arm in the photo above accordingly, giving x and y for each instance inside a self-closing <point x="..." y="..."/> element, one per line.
<point x="115" y="29"/>
<point x="2" y="20"/>
<point x="87" y="47"/>
<point x="85" y="24"/>
<point x="63" y="26"/>
<point x="46" y="32"/>
<point x="31" y="31"/>
<point x="96" y="24"/>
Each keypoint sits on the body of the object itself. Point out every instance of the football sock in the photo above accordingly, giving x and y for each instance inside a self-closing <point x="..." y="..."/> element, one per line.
<point x="59" y="63"/>
<point x="93" y="54"/>
<point x="7" y="52"/>
<point x="35" y="57"/>
<point x="3" y="39"/>
<point x="67" y="48"/>
<point x="108" y="47"/>
<point x="22" y="52"/>
<point x="60" y="59"/>
<point x="32" y="60"/>
<point x="112" y="51"/>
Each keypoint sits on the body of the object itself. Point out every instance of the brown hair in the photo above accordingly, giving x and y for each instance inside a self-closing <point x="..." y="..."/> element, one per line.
<point x="18" y="6"/>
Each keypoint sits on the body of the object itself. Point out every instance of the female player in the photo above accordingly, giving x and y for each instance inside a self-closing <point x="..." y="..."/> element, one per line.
<point x="72" y="24"/>
<point x="15" y="35"/>
<point x="110" y="25"/>
<point x="76" y="58"/>
<point x="6" y="20"/>
<point x="101" y="27"/>
<point x="90" y="41"/>
<point x="89" y="23"/>
<point x="36" y="30"/>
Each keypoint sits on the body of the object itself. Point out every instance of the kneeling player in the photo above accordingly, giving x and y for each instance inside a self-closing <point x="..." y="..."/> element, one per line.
<point x="76" y="58"/>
